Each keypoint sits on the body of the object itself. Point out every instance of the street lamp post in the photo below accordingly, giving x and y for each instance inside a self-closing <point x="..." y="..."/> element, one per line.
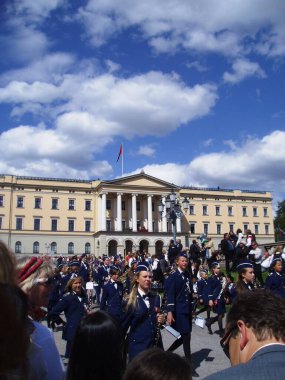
<point x="172" y="210"/>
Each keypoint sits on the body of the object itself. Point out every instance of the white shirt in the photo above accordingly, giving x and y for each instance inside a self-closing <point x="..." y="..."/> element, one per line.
<point x="257" y="252"/>
<point x="146" y="300"/>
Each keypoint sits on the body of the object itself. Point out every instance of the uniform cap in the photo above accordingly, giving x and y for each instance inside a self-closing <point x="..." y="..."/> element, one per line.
<point x="141" y="268"/>
<point x="215" y="264"/>
<point x="245" y="265"/>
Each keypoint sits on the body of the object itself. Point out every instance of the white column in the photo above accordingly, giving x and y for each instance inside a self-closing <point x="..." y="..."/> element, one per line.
<point x="159" y="221"/>
<point x="99" y="214"/>
<point x="103" y="212"/>
<point x="134" y="212"/>
<point x="144" y="202"/>
<point x="130" y="220"/>
<point x="119" y="211"/>
<point x="178" y="224"/>
<point x="164" y="219"/>
<point x="149" y="212"/>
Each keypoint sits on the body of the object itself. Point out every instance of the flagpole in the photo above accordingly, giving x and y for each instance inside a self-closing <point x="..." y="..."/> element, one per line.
<point x="122" y="160"/>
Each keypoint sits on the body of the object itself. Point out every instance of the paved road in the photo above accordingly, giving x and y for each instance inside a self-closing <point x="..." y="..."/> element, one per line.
<point x="207" y="355"/>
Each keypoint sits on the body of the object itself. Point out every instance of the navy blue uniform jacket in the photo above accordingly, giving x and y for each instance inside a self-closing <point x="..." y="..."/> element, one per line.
<point x="201" y="287"/>
<point x="214" y="292"/>
<point x="74" y="310"/>
<point x="111" y="300"/>
<point x="276" y="283"/>
<point x="179" y="300"/>
<point x="103" y="274"/>
<point x="142" y="323"/>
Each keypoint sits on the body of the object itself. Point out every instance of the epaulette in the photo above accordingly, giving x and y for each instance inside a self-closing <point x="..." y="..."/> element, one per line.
<point x="66" y="294"/>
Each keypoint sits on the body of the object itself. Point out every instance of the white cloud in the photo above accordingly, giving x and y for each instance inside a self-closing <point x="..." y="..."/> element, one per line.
<point x="41" y="151"/>
<point x="226" y="27"/>
<point x="22" y="92"/>
<point x="146" y="150"/>
<point x="242" y="69"/>
<point x="50" y="67"/>
<point x="255" y="164"/>
<point x="170" y="172"/>
<point x="148" y="104"/>
<point x="85" y="114"/>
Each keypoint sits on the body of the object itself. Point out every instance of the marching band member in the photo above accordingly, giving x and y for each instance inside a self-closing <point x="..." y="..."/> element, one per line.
<point x="74" y="305"/>
<point x="179" y="291"/>
<point x="112" y="296"/>
<point x="275" y="281"/>
<point x="245" y="279"/>
<point x="141" y="314"/>
<point x="216" y="301"/>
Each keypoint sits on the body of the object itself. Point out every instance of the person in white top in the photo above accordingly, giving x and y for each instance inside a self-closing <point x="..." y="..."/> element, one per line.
<point x="255" y="255"/>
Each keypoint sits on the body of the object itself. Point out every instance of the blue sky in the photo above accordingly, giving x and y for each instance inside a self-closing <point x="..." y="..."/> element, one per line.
<point x="194" y="90"/>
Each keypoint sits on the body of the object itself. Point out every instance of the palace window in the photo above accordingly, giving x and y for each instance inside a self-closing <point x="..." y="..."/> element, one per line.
<point x="54" y="203"/>
<point x="38" y="202"/>
<point x="36" y="247"/>
<point x="71" y="224"/>
<point x="18" y="247"/>
<point x="37" y="224"/>
<point x="192" y="228"/>
<point x="20" y="202"/>
<point x="70" y="248"/>
<point x="87" y="205"/>
<point x="87" y="248"/>
<point x="19" y="224"/>
<point x="71" y="204"/>
<point x="219" y="229"/>
<point x="87" y="225"/>
<point x="54" y="224"/>
<point x="53" y="248"/>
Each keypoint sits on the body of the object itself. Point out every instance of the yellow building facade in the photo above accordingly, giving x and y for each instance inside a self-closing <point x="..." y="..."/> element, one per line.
<point x="60" y="216"/>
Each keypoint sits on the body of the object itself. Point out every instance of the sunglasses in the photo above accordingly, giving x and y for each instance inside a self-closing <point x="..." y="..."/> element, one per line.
<point x="225" y="341"/>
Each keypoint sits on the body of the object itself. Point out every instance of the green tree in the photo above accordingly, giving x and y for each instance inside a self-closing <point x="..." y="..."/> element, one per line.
<point x="279" y="221"/>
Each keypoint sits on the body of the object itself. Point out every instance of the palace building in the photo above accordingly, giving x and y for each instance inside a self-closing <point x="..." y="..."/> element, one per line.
<point x="62" y="216"/>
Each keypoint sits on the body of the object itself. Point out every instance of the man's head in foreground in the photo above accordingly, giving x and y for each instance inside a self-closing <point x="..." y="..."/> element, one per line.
<point x="256" y="319"/>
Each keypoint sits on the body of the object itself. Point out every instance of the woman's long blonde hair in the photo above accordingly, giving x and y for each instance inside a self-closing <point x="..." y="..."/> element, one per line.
<point x="134" y="293"/>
